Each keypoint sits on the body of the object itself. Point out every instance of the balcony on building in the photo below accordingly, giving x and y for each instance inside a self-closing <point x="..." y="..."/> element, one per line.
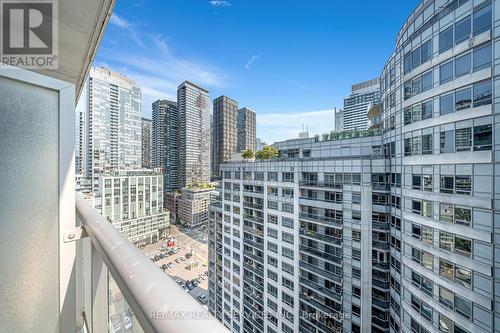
<point x="65" y="268"/>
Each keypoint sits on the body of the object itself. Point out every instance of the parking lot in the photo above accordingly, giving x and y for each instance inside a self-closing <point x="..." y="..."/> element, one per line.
<point x="189" y="262"/>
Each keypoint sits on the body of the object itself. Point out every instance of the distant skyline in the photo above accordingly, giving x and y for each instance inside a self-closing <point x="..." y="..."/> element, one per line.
<point x="291" y="65"/>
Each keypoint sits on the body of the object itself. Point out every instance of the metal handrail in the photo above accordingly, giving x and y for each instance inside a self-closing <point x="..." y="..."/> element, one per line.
<point x="157" y="302"/>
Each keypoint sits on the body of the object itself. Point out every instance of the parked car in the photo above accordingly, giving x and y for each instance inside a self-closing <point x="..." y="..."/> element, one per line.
<point x="179" y="282"/>
<point x="164" y="266"/>
<point x="182" y="258"/>
<point x="162" y="256"/>
<point x="156" y="257"/>
<point x="202" y="298"/>
<point x="170" y="265"/>
<point x="177" y="260"/>
<point x="188" y="255"/>
<point x="198" y="280"/>
<point x="194" y="282"/>
<point x="189" y="285"/>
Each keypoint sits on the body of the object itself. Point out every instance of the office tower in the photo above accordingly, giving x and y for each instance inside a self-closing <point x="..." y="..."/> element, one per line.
<point x="111" y="130"/>
<point x="225" y="131"/>
<point x="339" y="120"/>
<point x="147" y="143"/>
<point x="193" y="103"/>
<point x="246" y="129"/>
<point x="166" y="141"/>
<point x="192" y="205"/>
<point x="439" y="113"/>
<point x="81" y="132"/>
<point x="363" y="96"/>
<point x="133" y="202"/>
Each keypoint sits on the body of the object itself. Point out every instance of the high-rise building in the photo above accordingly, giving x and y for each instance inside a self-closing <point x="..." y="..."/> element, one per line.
<point x="109" y="124"/>
<point x="356" y="106"/>
<point x="166" y="141"/>
<point x="224" y="131"/>
<point x="147" y="143"/>
<point x="246" y="129"/>
<point x="386" y="230"/>
<point x="193" y="103"/>
<point x="339" y="120"/>
<point x="132" y="201"/>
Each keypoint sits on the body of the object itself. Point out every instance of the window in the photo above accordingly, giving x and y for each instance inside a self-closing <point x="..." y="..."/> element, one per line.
<point x="415" y="58"/>
<point x="428" y="235"/>
<point x="482" y="137"/>
<point x="416" y="145"/>
<point x="447" y="141"/>
<point x="272" y="176"/>
<point x="427" y="209"/>
<point x="447" y="183"/>
<point x="462" y="30"/>
<point x="427" y="109"/>
<point x="446" y="241"/>
<point x="426" y="51"/>
<point x="482" y="93"/>
<point x="445" y="324"/>
<point x="415" y="87"/>
<point x="445" y="39"/>
<point x="427" y="81"/>
<point x="416" y="231"/>
<point x="463" y="246"/>
<point x="446" y="213"/>
<point x="446" y="72"/>
<point x="407" y="116"/>
<point x="462" y="65"/>
<point x="463" y="139"/>
<point x="416" y="206"/>
<point x="446" y="104"/>
<point x="416" y="182"/>
<point x="463" y="306"/>
<point x="463" y="276"/>
<point x="482" y="57"/>
<point x="446" y="297"/>
<point x="407" y="90"/>
<point x="446" y="269"/>
<point x="427" y="183"/>
<point x="463" y="216"/>
<point x="427" y="144"/>
<point x="427" y="260"/>
<point x="463" y="185"/>
<point x="482" y="20"/>
<point x="407" y="63"/>
<point x="463" y="99"/>
<point x="408" y="147"/>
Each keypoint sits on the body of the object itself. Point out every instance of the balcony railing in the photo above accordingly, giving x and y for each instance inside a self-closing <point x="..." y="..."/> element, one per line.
<point x="316" y="183"/>
<point x="321" y="236"/>
<point x="147" y="294"/>
<point x="322" y="219"/>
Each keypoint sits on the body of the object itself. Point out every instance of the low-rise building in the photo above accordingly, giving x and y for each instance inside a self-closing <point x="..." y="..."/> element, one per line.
<point x="132" y="201"/>
<point x="192" y="206"/>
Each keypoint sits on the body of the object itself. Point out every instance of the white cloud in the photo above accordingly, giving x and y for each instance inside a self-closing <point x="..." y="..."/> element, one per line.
<point x="157" y="69"/>
<point x="119" y="21"/>
<point x="220" y="3"/>
<point x="253" y="59"/>
<point x="273" y="127"/>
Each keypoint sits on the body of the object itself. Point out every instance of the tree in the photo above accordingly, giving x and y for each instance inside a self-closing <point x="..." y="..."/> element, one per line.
<point x="267" y="153"/>
<point x="248" y="154"/>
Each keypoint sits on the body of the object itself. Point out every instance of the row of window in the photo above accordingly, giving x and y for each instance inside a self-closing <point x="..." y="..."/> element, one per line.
<point x="475" y="138"/>
<point x="472" y="25"/>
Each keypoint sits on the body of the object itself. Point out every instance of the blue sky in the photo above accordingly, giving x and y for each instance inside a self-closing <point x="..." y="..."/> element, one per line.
<point x="292" y="61"/>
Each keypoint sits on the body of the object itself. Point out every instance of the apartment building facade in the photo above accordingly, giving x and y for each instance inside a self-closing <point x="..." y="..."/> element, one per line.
<point x="363" y="96"/>
<point x="412" y="242"/>
<point x="247" y="122"/>
<point x="439" y="112"/>
<point x="147" y="143"/>
<point x="166" y="141"/>
<point x="132" y="200"/>
<point x="109" y="128"/>
<point x="193" y="103"/>
<point x="224" y="131"/>
<point x="192" y="206"/>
